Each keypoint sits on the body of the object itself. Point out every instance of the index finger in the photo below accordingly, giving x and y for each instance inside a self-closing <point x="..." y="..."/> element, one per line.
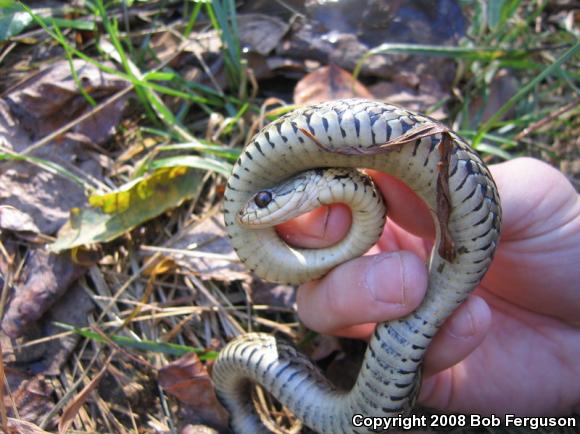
<point x="326" y="226"/>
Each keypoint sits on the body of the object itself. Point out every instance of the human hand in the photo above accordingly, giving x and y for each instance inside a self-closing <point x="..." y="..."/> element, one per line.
<point x="514" y="345"/>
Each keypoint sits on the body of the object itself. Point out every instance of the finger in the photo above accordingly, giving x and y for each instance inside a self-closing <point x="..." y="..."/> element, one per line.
<point x="541" y="200"/>
<point x="460" y="335"/>
<point x="540" y="242"/>
<point x="403" y="205"/>
<point x="326" y="226"/>
<point x="366" y="289"/>
<point x="394" y="237"/>
<point x="322" y="227"/>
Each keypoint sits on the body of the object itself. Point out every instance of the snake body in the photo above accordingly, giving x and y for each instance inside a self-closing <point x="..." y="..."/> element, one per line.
<point x="437" y="165"/>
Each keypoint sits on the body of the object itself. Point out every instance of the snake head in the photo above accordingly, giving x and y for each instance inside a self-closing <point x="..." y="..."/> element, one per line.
<point x="282" y="202"/>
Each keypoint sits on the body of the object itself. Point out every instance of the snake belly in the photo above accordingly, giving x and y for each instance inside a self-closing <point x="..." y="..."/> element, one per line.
<point x="463" y="199"/>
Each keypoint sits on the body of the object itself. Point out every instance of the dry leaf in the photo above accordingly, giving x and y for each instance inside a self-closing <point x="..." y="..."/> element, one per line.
<point x="39" y="106"/>
<point x="214" y="255"/>
<point x="45" y="197"/>
<point x="45" y="278"/>
<point x="188" y="380"/>
<point x="72" y="308"/>
<point x="71" y="410"/>
<point x="271" y="294"/>
<point x="31" y="395"/>
<point x="329" y="83"/>
<point x="323" y="346"/>
<point x="203" y="43"/>
<point x="419" y="98"/>
<point x="344" y="367"/>
<point x="343" y="32"/>
<point x="12" y="219"/>
<point x="48" y="99"/>
<point x="261" y="33"/>
<point x="502" y="87"/>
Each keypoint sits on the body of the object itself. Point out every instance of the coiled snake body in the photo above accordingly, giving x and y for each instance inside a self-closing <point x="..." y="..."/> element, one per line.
<point x="269" y="181"/>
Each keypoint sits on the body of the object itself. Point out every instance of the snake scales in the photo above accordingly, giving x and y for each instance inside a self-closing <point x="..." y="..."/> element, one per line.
<point x="269" y="184"/>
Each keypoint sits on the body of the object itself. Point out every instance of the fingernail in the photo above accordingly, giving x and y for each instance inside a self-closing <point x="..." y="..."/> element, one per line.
<point x="385" y="279"/>
<point x="462" y="324"/>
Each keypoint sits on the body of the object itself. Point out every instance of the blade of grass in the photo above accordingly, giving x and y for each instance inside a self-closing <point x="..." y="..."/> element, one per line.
<point x="219" y="151"/>
<point x="203" y="102"/>
<point x="469" y="134"/>
<point x="78" y="24"/>
<point x="469" y="53"/>
<point x="49" y="166"/>
<point x="491" y="122"/>
<point x="493" y="150"/>
<point x="118" y="53"/>
<point x="143" y="345"/>
<point x="192" y="19"/>
<point x="499" y="11"/>
<point x="193" y="161"/>
<point x="148" y="97"/>
<point x="222" y="15"/>
<point x="73" y="70"/>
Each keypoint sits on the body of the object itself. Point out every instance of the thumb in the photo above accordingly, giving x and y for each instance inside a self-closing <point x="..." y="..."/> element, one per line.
<point x="364" y="290"/>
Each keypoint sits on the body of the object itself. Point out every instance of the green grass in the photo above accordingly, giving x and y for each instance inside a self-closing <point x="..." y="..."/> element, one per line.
<point x="142" y="345"/>
<point x="500" y="39"/>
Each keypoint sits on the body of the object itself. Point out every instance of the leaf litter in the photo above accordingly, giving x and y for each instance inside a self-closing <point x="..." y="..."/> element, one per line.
<point x="35" y="108"/>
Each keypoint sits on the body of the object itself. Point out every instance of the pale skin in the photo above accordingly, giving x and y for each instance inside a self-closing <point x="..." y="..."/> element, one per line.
<point x="514" y="345"/>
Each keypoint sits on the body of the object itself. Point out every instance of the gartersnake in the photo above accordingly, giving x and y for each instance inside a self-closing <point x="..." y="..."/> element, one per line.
<point x="268" y="185"/>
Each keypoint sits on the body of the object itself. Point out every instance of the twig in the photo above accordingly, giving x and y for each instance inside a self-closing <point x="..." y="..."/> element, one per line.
<point x="42" y="142"/>
<point x="539" y="124"/>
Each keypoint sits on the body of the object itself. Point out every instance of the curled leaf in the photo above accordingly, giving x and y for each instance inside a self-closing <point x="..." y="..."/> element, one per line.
<point x="188" y="380"/>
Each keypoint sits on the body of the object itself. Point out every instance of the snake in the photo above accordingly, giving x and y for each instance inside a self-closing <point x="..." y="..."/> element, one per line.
<point x="315" y="156"/>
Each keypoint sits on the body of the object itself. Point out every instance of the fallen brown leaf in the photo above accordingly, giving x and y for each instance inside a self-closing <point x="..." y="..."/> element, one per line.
<point x="206" y="251"/>
<point x="261" y="33"/>
<point x="32" y="395"/>
<point x="418" y="98"/>
<point x="447" y="245"/>
<point x="329" y="83"/>
<point x="322" y="346"/>
<point x="342" y="32"/>
<point x="12" y="219"/>
<point x="197" y="429"/>
<point x="48" y="357"/>
<point x="502" y="87"/>
<point x="344" y="366"/>
<point x="49" y="98"/>
<point x="188" y="380"/>
<point x="45" y="278"/>
<point x="43" y="196"/>
<point x="271" y="294"/>
<point x="32" y="111"/>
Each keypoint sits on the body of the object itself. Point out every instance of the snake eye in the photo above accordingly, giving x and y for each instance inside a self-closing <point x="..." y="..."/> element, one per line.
<point x="263" y="198"/>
